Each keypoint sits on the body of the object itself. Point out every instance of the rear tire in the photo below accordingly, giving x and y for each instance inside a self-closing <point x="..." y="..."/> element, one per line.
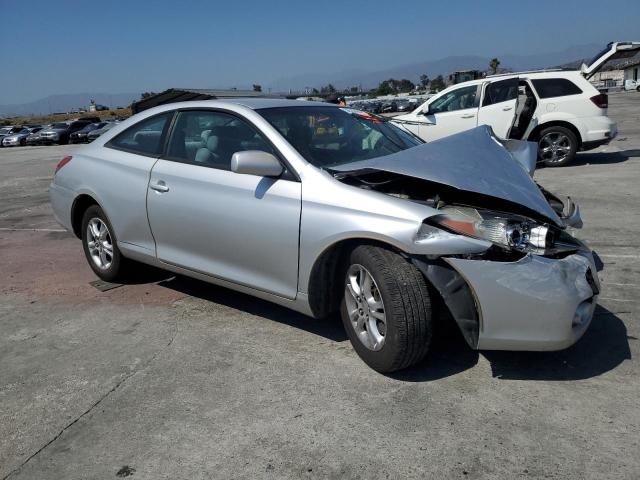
<point x="386" y="309"/>
<point x="557" y="146"/>
<point x="101" y="247"/>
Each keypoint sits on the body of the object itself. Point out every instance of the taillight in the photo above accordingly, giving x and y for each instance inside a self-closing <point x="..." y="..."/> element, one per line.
<point x="63" y="162"/>
<point x="601" y="101"/>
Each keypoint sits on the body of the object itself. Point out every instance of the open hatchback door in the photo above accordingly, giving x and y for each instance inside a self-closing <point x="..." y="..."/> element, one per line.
<point x="613" y="51"/>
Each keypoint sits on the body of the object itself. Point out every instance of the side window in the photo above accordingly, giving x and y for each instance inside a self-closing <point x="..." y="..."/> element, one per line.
<point x="555" y="87"/>
<point x="458" y="99"/>
<point x="211" y="138"/>
<point x="500" y="91"/>
<point x="145" y="137"/>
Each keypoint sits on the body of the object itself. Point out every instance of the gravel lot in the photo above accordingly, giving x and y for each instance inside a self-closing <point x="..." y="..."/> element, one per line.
<point x="172" y="378"/>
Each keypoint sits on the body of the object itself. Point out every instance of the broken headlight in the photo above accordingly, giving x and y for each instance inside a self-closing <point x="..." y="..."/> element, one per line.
<point x="510" y="232"/>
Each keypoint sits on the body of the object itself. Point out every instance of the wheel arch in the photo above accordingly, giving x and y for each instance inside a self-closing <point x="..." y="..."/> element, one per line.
<point x="80" y="205"/>
<point x="535" y="133"/>
<point x="325" y="286"/>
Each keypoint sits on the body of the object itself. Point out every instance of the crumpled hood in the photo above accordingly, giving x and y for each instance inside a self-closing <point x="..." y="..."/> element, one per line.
<point x="473" y="161"/>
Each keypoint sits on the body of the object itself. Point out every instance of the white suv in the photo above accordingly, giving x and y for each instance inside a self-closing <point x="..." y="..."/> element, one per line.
<point x="559" y="109"/>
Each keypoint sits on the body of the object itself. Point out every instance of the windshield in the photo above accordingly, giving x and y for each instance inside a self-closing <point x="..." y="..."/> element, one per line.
<point x="329" y="136"/>
<point x="59" y="125"/>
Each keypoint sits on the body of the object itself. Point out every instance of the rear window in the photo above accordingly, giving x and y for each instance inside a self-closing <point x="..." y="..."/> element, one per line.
<point x="555" y="87"/>
<point x="145" y="137"/>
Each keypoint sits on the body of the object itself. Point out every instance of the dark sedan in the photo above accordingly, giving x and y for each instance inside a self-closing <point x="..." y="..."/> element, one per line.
<point x="81" y="136"/>
<point x="61" y="132"/>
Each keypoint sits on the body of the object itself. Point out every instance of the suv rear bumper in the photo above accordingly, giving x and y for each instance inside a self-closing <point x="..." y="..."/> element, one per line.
<point x="597" y="131"/>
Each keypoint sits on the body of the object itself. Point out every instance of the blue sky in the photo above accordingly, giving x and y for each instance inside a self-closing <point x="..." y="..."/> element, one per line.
<point x="67" y="46"/>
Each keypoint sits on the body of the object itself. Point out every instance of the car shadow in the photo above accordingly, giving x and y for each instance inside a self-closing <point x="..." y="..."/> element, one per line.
<point x="604" y="158"/>
<point x="330" y="328"/>
<point x="600" y="158"/>
<point x="604" y="346"/>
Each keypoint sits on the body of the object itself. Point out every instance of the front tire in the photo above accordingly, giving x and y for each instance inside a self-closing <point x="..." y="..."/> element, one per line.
<point x="557" y="146"/>
<point x="100" y="245"/>
<point x="386" y="309"/>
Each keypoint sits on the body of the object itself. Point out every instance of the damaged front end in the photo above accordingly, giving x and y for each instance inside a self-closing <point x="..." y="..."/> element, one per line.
<point x="497" y="248"/>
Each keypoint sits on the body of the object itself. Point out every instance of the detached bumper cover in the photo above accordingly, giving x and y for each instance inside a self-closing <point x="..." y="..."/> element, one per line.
<point x="536" y="303"/>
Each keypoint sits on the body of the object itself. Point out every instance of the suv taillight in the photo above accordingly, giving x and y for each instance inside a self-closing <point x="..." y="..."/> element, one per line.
<point x="63" y="162"/>
<point x="601" y="101"/>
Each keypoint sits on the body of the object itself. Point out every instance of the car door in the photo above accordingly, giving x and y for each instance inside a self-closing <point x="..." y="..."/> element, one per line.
<point x="452" y="112"/>
<point x="208" y="219"/>
<point x="499" y="105"/>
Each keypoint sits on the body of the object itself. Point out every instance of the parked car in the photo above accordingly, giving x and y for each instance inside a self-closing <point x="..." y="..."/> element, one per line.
<point x="60" y="132"/>
<point x="558" y="109"/>
<point x="90" y="119"/>
<point x="92" y="135"/>
<point x="81" y="136"/>
<point x="19" y="138"/>
<point x="389" y="107"/>
<point x="405" y="105"/>
<point x="631" y="84"/>
<point x="364" y="219"/>
<point x="7" y="131"/>
<point x="372" y="107"/>
<point x="34" y="137"/>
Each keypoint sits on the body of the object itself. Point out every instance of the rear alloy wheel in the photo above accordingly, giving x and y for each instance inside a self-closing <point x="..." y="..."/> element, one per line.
<point x="100" y="246"/>
<point x="386" y="309"/>
<point x="557" y="146"/>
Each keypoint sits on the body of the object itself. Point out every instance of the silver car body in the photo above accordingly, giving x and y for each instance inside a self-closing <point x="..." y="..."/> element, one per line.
<point x="273" y="238"/>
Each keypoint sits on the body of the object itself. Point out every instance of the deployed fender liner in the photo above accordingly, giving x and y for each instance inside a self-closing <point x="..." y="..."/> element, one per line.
<point x="456" y="293"/>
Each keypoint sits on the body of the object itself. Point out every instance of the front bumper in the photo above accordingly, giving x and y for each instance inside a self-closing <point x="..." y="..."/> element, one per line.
<point x="10" y="142"/>
<point x="536" y="303"/>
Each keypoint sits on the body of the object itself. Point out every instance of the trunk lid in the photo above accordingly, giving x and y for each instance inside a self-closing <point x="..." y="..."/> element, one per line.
<point x="613" y="51"/>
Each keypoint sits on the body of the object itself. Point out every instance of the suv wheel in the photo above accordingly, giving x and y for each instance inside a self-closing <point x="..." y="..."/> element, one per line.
<point x="100" y="246"/>
<point x="386" y="309"/>
<point x="557" y="146"/>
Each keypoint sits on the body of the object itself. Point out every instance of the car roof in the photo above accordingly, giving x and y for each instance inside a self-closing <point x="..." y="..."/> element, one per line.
<point x="252" y="103"/>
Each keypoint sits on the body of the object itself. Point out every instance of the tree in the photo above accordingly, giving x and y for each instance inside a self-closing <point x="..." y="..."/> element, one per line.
<point x="437" y="83"/>
<point x="257" y="88"/>
<point x="147" y="95"/>
<point x="328" y="89"/>
<point x="493" y="65"/>
<point x="393" y="86"/>
<point x="424" y="80"/>
<point x="385" y="88"/>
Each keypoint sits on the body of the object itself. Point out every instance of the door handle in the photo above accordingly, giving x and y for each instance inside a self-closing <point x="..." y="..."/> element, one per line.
<point x="159" y="187"/>
<point x="506" y="109"/>
<point x="471" y="115"/>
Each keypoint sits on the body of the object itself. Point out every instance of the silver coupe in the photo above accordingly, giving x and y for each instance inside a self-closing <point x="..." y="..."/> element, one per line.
<point x="327" y="209"/>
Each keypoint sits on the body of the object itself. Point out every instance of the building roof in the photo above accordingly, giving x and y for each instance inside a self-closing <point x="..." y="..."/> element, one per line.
<point x="173" y="95"/>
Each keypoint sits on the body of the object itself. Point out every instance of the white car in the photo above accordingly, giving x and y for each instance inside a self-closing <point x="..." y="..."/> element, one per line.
<point x="559" y="109"/>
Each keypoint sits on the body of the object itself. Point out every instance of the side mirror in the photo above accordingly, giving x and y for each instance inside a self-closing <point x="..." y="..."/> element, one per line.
<point x="256" y="162"/>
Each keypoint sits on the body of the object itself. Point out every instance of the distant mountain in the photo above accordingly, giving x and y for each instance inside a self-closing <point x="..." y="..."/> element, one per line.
<point x="67" y="103"/>
<point x="433" y="68"/>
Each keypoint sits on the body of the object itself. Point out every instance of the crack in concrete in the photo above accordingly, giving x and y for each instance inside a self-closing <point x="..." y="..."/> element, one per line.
<point x="92" y="407"/>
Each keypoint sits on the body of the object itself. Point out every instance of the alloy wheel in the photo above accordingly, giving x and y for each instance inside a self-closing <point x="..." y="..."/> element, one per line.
<point x="99" y="243"/>
<point x="554" y="147"/>
<point x="365" y="307"/>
